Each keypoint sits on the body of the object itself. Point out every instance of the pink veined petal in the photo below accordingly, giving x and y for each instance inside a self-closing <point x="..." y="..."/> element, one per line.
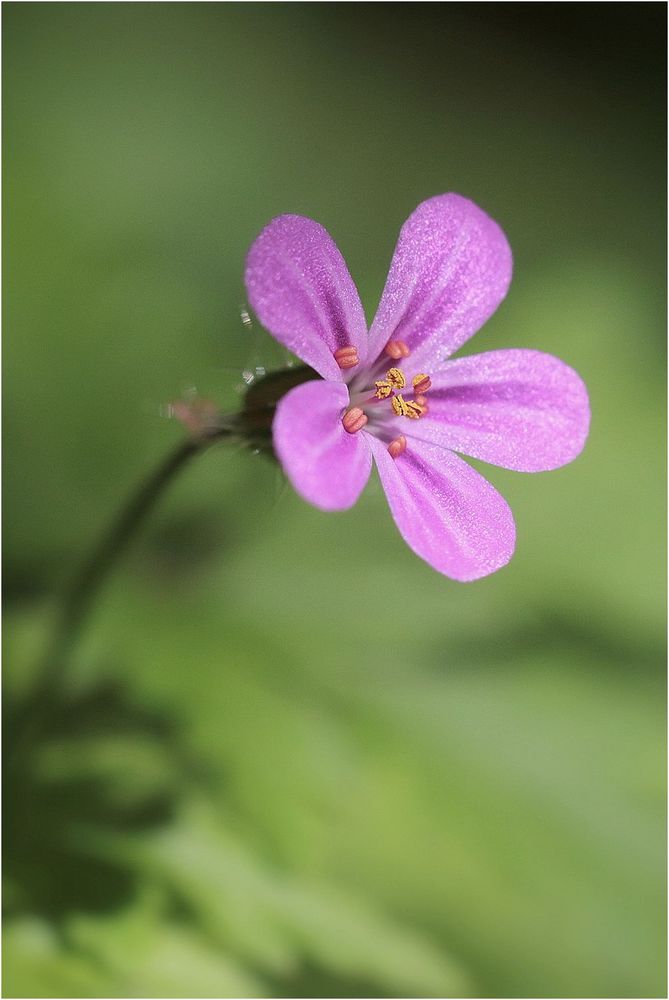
<point x="300" y="288"/>
<point x="520" y="409"/>
<point x="327" y="466"/>
<point x="450" y="270"/>
<point x="446" y="512"/>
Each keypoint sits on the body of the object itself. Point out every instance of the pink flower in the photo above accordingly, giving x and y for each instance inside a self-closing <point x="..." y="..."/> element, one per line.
<point x="392" y="394"/>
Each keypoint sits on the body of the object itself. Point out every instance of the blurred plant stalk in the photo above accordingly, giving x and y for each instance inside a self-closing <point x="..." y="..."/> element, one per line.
<point x="251" y="426"/>
<point x="84" y="589"/>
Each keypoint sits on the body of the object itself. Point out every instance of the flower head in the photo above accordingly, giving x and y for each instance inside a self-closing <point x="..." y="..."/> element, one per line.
<point x="393" y="394"/>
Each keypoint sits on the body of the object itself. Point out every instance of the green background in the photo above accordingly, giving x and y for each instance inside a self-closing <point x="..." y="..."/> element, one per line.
<point x="290" y="759"/>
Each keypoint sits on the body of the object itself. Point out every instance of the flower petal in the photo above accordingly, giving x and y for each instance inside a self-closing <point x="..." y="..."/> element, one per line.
<point x="451" y="269"/>
<point x="446" y="512"/>
<point x="300" y="288"/>
<point x="523" y="410"/>
<point x="326" y="465"/>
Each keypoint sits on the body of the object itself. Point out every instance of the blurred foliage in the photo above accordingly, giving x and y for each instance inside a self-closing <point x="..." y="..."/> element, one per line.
<point x="290" y="759"/>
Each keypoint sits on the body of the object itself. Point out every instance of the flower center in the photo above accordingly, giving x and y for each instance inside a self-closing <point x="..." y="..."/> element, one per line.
<point x="410" y="403"/>
<point x="388" y="387"/>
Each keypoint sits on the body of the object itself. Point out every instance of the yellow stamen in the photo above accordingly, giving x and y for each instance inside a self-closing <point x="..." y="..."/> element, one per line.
<point x="383" y="389"/>
<point x="414" y="410"/>
<point x="396" y="378"/>
<point x="399" y="406"/>
<point x="409" y="409"/>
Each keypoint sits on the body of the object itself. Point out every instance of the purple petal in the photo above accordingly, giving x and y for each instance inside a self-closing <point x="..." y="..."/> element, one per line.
<point x="326" y="465"/>
<point x="446" y="512"/>
<point x="451" y="269"/>
<point x="523" y="410"/>
<point x="300" y="288"/>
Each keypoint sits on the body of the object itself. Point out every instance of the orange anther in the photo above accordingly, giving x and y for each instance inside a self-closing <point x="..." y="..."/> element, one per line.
<point x="397" y="349"/>
<point x="347" y="357"/>
<point x="397" y="447"/>
<point x="354" y="420"/>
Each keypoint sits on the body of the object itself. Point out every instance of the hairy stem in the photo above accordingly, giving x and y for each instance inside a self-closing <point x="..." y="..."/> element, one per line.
<point x="252" y="425"/>
<point x="84" y="589"/>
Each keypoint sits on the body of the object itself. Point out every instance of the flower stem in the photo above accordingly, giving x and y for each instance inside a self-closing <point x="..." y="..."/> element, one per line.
<point x="84" y="589"/>
<point x="252" y="425"/>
